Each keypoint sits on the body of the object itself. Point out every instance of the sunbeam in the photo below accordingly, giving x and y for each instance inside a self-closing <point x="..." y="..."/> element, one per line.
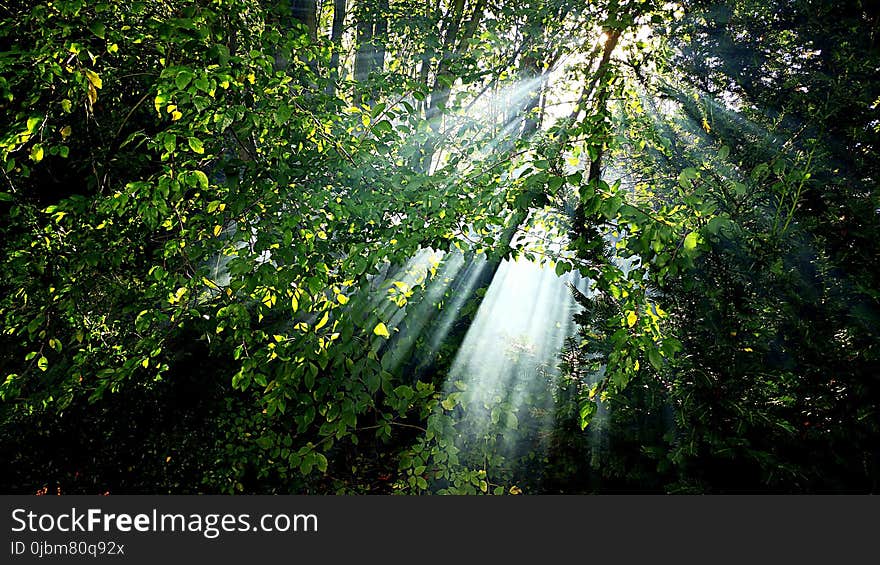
<point x="507" y="363"/>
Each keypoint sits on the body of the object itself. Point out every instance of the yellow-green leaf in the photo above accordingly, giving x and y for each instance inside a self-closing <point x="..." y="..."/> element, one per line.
<point x="202" y="179"/>
<point x="380" y="329"/>
<point x="196" y="145"/>
<point x="631" y="319"/>
<point x="269" y="299"/>
<point x="94" y="78"/>
<point x="323" y="321"/>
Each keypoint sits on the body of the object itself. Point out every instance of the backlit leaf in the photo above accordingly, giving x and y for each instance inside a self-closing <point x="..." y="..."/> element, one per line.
<point x="196" y="145"/>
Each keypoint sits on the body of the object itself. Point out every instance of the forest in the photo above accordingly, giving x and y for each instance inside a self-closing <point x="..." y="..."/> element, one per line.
<point x="439" y="246"/>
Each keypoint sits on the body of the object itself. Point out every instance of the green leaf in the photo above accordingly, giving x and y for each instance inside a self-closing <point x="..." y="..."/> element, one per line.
<point x="373" y="382"/>
<point x="202" y="179"/>
<point x="377" y="109"/>
<point x="283" y="114"/>
<point x="611" y="206"/>
<point x="196" y="145"/>
<point x="309" y="379"/>
<point x="512" y="421"/>
<point x="723" y="152"/>
<point x="43" y="363"/>
<point x="306" y="466"/>
<point x="264" y="442"/>
<point x="655" y="359"/>
<point x="690" y="241"/>
<point x="98" y="29"/>
<point x="383" y="126"/>
<point x="689" y="173"/>
<point x="321" y="462"/>
<point x="587" y="409"/>
<point x="718" y="223"/>
<point x="182" y="79"/>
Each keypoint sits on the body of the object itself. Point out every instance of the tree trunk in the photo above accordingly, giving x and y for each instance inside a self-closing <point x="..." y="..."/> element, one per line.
<point x="372" y="27"/>
<point x="455" y="40"/>
<point x="336" y="38"/>
<point x="306" y="12"/>
<point x="602" y="96"/>
<point x="600" y="102"/>
<point x="530" y="69"/>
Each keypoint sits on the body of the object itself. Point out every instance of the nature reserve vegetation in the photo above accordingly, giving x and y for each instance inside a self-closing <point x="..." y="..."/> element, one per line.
<point x="439" y="246"/>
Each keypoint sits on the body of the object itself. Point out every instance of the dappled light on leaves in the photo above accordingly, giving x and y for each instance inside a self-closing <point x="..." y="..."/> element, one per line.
<point x="452" y="247"/>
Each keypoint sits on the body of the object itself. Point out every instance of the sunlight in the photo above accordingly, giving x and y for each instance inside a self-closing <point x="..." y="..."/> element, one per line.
<point x="493" y="117"/>
<point x="414" y="319"/>
<point x="507" y="364"/>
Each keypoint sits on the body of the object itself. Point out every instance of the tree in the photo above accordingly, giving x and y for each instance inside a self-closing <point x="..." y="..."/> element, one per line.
<point x="205" y="215"/>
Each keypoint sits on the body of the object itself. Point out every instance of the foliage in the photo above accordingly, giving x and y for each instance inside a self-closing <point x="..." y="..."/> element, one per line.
<point x="773" y="388"/>
<point x="228" y="238"/>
